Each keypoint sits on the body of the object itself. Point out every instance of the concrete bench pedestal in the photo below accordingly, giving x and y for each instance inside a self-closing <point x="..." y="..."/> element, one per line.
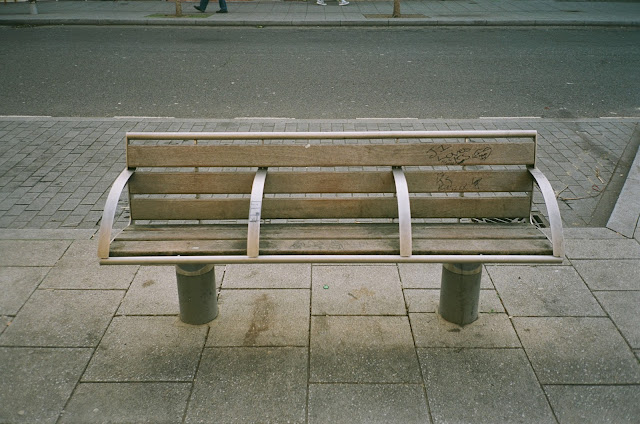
<point x="460" y="292"/>
<point x="197" y="293"/>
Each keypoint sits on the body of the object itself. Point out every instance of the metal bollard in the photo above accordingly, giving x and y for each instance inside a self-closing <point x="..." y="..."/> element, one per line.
<point x="33" y="9"/>
<point x="197" y="293"/>
<point x="460" y="292"/>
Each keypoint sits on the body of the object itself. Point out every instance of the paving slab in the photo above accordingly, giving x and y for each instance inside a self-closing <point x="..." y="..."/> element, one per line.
<point x="147" y="349"/>
<point x="595" y="404"/>
<point x="154" y="291"/>
<point x="4" y="323"/>
<point x="36" y="383"/>
<point x="16" y="285"/>
<point x="602" y="249"/>
<point x="356" y="290"/>
<point x="368" y="403"/>
<point x="261" y="318"/>
<point x="250" y="385"/>
<point x="428" y="276"/>
<point x="63" y="318"/>
<point x="268" y="276"/>
<point x="609" y="274"/>
<point x="543" y="291"/>
<point x="428" y="300"/>
<point x="490" y="331"/>
<point x="362" y="349"/>
<point x="483" y="386"/>
<point x="569" y="350"/>
<point x="623" y="308"/>
<point x="79" y="269"/>
<point x="45" y="234"/>
<point x="583" y="233"/>
<point x="32" y="252"/>
<point x="153" y="403"/>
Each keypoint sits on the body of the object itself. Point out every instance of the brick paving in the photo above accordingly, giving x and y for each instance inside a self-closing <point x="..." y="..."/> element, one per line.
<point x="56" y="172"/>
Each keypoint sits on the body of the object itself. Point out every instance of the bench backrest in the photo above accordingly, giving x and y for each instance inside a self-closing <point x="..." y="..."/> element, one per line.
<point x="210" y="176"/>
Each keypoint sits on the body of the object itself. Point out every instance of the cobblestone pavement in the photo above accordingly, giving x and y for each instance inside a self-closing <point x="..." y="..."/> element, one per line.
<point x="56" y="172"/>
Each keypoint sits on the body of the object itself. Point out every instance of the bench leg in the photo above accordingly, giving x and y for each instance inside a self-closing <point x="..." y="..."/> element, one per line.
<point x="197" y="293"/>
<point x="460" y="292"/>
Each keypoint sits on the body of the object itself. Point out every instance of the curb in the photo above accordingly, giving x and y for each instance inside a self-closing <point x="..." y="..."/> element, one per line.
<point x="625" y="217"/>
<point x="365" y="22"/>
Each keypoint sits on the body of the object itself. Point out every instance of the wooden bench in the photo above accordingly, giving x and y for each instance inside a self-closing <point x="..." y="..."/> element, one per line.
<point x="457" y="198"/>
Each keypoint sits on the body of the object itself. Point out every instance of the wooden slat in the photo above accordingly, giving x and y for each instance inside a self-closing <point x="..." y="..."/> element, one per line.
<point x="426" y="154"/>
<point x="471" y="207"/>
<point x="330" y="231"/>
<point x="191" y="182"/>
<point x="189" y="209"/>
<point x="330" y="208"/>
<point x="329" y="182"/>
<point x="469" y="181"/>
<point x="330" y="247"/>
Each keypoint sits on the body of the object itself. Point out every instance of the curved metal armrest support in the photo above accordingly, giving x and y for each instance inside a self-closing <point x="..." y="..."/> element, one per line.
<point x="404" y="211"/>
<point x="557" y="238"/>
<point x="108" y="216"/>
<point x="255" y="211"/>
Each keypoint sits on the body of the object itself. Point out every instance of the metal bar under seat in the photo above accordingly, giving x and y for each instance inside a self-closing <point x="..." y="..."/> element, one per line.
<point x="337" y="259"/>
<point x="328" y="135"/>
<point x="404" y="211"/>
<point x="255" y="210"/>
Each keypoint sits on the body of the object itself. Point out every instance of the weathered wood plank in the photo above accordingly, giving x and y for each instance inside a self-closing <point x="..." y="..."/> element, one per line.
<point x="191" y="182"/>
<point x="330" y="247"/>
<point x="279" y="182"/>
<point x="419" y="154"/>
<point x="189" y="209"/>
<point x="471" y="207"/>
<point x="330" y="208"/>
<point x="330" y="231"/>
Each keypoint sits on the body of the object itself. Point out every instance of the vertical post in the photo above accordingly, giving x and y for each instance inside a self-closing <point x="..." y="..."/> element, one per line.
<point x="33" y="9"/>
<point x="460" y="292"/>
<point x="197" y="293"/>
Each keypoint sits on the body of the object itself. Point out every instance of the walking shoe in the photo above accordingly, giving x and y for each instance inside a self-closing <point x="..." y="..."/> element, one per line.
<point x="321" y="3"/>
<point x="221" y="11"/>
<point x="198" y="8"/>
<point x="343" y="3"/>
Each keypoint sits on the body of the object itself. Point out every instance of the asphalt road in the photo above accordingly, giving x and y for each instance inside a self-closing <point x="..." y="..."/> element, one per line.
<point x="311" y="73"/>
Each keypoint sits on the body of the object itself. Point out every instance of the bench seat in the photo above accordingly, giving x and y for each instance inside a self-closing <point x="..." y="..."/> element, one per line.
<point x="321" y="241"/>
<point x="381" y="197"/>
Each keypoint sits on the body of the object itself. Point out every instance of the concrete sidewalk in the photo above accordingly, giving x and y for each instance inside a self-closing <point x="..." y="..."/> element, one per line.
<point x="80" y="343"/>
<point x="358" y="13"/>
<point x="84" y="344"/>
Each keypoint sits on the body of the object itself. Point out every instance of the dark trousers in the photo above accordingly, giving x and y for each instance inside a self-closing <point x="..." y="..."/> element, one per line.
<point x="222" y="3"/>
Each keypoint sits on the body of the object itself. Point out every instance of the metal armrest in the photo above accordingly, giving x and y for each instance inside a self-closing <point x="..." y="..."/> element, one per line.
<point x="404" y="211"/>
<point x="557" y="238"/>
<point x="108" y="216"/>
<point x="255" y="210"/>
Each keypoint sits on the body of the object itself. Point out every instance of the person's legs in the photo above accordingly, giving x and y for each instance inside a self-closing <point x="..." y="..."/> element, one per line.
<point x="223" y="5"/>
<point x="203" y="5"/>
